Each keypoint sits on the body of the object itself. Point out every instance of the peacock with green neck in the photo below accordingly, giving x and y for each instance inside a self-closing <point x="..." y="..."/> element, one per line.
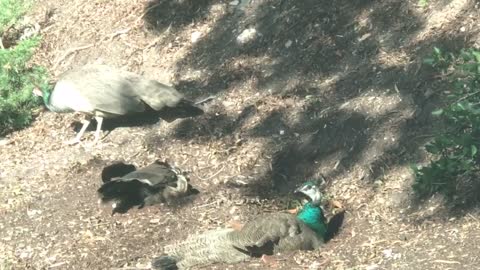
<point x="265" y="235"/>
<point x="312" y="216"/>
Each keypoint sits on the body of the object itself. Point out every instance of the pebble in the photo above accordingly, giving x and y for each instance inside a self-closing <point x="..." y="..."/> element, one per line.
<point x="288" y="44"/>
<point x="247" y="36"/>
<point x="195" y="36"/>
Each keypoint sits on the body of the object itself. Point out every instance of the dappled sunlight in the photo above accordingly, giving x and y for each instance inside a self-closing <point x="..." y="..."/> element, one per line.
<point x="441" y="17"/>
<point x="374" y="103"/>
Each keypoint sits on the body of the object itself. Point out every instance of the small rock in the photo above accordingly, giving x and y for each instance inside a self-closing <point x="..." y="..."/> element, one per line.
<point x="315" y="265"/>
<point x="247" y="36"/>
<point x="372" y="267"/>
<point x="5" y="142"/>
<point x="388" y="253"/>
<point x="155" y="221"/>
<point x="234" y="3"/>
<point x="288" y="44"/>
<point x="195" y="36"/>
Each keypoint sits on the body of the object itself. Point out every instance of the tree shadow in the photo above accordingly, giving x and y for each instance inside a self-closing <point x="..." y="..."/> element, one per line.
<point x="161" y="14"/>
<point x="331" y="54"/>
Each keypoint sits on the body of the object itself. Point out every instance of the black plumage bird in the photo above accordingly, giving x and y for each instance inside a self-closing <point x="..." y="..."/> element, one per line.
<point x="156" y="183"/>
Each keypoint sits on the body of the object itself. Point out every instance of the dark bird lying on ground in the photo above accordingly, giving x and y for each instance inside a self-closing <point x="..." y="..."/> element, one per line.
<point x="263" y="236"/>
<point x="100" y="91"/>
<point x="156" y="183"/>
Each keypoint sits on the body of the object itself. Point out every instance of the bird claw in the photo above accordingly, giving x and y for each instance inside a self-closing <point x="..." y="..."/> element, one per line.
<point x="72" y="141"/>
<point x="269" y="260"/>
<point x="236" y="225"/>
<point x="293" y="211"/>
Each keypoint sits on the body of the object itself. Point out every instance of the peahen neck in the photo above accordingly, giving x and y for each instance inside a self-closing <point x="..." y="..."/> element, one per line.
<point x="312" y="216"/>
<point x="46" y="95"/>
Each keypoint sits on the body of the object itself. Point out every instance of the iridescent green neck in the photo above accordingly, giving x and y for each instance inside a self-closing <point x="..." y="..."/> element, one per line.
<point x="46" y="97"/>
<point x="312" y="216"/>
<point x="46" y="100"/>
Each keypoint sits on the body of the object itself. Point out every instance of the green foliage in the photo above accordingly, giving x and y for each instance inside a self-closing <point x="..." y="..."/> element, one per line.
<point x="10" y="12"/>
<point x="16" y="77"/>
<point x="423" y="3"/>
<point x="456" y="149"/>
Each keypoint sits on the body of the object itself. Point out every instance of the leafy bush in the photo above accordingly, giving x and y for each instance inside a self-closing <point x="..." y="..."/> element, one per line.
<point x="10" y="12"/>
<point x="16" y="77"/>
<point x="456" y="148"/>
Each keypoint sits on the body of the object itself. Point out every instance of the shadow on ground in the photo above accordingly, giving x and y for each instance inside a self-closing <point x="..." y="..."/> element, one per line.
<point x="325" y="55"/>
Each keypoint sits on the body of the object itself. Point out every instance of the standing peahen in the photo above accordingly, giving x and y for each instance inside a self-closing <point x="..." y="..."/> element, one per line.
<point x="265" y="235"/>
<point x="156" y="183"/>
<point x="100" y="91"/>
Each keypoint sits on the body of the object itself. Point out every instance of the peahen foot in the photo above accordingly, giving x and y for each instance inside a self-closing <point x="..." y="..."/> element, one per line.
<point x="72" y="141"/>
<point x="292" y="211"/>
<point x="236" y="225"/>
<point x="269" y="260"/>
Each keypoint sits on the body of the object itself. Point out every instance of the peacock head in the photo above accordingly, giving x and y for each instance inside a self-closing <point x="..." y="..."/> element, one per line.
<point x="310" y="189"/>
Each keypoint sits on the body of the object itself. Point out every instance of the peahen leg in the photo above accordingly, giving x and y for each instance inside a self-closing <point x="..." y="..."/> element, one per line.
<point x="77" y="138"/>
<point x="99" y="128"/>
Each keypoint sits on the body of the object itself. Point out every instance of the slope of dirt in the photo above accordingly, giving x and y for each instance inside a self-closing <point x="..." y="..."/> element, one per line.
<point x="323" y="90"/>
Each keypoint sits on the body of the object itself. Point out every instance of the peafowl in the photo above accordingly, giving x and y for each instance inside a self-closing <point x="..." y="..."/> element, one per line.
<point x="100" y="91"/>
<point x="265" y="235"/>
<point x="156" y="183"/>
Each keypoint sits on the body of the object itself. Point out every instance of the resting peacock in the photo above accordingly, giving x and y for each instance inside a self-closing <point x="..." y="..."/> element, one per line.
<point x="100" y="91"/>
<point x="156" y="183"/>
<point x="265" y="235"/>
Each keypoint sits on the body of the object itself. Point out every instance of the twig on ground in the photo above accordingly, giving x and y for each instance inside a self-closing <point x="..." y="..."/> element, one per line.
<point x="145" y="13"/>
<point x="68" y="52"/>
<point x="110" y="37"/>
<point x="210" y="177"/>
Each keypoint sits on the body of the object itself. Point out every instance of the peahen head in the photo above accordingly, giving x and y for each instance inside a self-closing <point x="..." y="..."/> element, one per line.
<point x="311" y="213"/>
<point x="43" y="92"/>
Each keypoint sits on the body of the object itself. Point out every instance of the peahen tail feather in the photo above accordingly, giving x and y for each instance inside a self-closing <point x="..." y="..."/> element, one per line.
<point x="334" y="224"/>
<point x="183" y="109"/>
<point x="117" y="169"/>
<point x="208" y="248"/>
<point x="127" y="193"/>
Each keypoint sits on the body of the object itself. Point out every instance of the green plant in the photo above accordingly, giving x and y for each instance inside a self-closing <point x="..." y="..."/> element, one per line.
<point x="455" y="149"/>
<point x="423" y="3"/>
<point x="10" y="12"/>
<point x="17" y="78"/>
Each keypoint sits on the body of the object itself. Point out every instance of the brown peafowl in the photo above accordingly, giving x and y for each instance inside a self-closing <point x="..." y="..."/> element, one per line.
<point x="263" y="236"/>
<point x="100" y="91"/>
<point x="156" y="183"/>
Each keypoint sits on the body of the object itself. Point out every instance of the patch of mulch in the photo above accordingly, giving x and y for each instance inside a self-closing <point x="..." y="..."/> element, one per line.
<point x="331" y="91"/>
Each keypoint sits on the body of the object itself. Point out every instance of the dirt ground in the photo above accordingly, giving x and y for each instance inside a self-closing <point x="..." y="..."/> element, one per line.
<point x="324" y="89"/>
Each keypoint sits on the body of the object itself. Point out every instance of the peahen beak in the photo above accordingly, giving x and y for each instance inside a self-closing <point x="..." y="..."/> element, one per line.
<point x="298" y="190"/>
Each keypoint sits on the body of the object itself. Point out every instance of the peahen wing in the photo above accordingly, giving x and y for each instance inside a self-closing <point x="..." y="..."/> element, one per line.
<point x="207" y="248"/>
<point x="157" y="175"/>
<point x="269" y="234"/>
<point x="98" y="88"/>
